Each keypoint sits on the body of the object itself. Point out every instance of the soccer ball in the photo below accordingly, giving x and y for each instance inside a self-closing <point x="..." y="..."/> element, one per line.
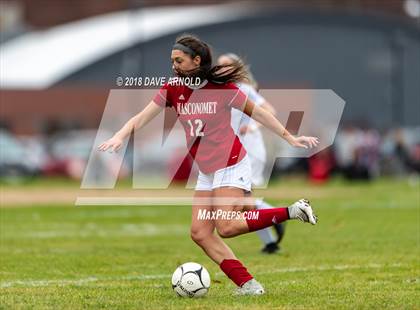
<point x="191" y="280"/>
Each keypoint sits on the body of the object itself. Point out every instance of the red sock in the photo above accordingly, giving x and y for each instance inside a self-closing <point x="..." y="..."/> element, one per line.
<point x="266" y="218"/>
<point x="235" y="271"/>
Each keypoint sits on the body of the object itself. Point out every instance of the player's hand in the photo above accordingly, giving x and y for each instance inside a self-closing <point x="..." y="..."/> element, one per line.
<point x="113" y="144"/>
<point x="305" y="142"/>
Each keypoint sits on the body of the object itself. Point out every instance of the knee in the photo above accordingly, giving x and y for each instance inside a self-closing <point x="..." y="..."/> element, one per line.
<point x="198" y="236"/>
<point x="226" y="230"/>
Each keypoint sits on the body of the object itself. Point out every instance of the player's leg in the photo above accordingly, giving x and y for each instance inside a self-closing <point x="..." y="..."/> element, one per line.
<point x="202" y="229"/>
<point x="279" y="228"/>
<point x="202" y="232"/>
<point x="229" y="186"/>
<point x="266" y="235"/>
<point x="230" y="199"/>
<point x="258" y="219"/>
<point x="233" y="268"/>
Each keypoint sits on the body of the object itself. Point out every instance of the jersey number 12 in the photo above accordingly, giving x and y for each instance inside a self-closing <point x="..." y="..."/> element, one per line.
<point x="198" y="132"/>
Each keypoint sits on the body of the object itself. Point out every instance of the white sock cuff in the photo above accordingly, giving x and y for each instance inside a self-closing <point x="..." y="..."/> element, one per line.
<point x="260" y="204"/>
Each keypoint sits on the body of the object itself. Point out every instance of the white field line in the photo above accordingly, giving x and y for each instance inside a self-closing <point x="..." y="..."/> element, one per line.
<point x="66" y="282"/>
<point x="164" y="201"/>
<point x="93" y="230"/>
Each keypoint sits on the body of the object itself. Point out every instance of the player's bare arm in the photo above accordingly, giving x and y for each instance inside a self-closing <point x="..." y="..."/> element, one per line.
<point x="136" y="122"/>
<point x="268" y="107"/>
<point x="268" y="120"/>
<point x="247" y="128"/>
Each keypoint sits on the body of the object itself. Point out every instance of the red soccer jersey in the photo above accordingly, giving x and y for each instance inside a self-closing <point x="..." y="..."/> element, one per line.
<point x="205" y="114"/>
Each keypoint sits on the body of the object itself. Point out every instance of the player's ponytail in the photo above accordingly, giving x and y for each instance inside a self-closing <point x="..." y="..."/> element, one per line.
<point x="220" y="74"/>
<point x="249" y="76"/>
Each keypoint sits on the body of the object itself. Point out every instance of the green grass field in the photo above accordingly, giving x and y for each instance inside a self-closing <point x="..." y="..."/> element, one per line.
<point x="363" y="254"/>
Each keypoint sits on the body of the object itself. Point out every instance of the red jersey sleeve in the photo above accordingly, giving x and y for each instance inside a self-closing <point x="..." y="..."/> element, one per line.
<point x="162" y="98"/>
<point x="238" y="99"/>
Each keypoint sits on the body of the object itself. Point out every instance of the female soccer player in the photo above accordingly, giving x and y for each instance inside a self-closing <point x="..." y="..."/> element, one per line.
<point x="251" y="138"/>
<point x="224" y="168"/>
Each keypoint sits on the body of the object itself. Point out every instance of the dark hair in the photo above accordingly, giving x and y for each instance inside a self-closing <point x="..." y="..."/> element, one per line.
<point x="220" y="74"/>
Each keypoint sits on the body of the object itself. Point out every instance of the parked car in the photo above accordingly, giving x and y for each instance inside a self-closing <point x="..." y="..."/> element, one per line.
<point x="17" y="162"/>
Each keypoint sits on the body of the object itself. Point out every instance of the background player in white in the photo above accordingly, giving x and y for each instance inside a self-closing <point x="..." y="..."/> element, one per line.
<point x="251" y="137"/>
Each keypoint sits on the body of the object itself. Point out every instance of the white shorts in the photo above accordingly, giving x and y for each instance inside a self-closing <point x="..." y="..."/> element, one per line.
<point x="238" y="175"/>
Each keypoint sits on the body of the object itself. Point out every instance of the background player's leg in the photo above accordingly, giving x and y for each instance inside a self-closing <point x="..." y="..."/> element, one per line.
<point x="267" y="238"/>
<point x="258" y="179"/>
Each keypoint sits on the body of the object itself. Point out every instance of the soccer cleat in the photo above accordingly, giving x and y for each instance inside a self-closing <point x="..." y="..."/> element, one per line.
<point x="302" y="210"/>
<point x="270" y="248"/>
<point x="252" y="287"/>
